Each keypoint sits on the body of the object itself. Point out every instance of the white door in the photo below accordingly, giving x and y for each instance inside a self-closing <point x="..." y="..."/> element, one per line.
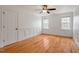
<point x="9" y="27"/>
<point x="76" y="29"/>
<point x="0" y="28"/>
<point x="20" y="27"/>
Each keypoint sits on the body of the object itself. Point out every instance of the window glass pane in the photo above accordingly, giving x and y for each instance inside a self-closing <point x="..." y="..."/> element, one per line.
<point x="45" y="21"/>
<point x="65" y="23"/>
<point x="45" y="24"/>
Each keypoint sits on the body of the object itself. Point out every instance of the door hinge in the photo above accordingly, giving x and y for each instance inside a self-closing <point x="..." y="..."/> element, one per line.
<point x="3" y="40"/>
<point x="3" y="26"/>
<point x="3" y="12"/>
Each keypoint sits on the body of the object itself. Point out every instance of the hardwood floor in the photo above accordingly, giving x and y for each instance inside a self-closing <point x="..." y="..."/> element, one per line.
<point x="43" y="44"/>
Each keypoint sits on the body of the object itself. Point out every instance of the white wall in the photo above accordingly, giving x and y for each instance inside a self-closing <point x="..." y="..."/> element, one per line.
<point x="55" y="25"/>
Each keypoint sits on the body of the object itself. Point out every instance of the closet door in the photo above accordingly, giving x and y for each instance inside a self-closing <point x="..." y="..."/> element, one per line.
<point x="76" y="29"/>
<point x="20" y="26"/>
<point x="9" y="27"/>
<point x="0" y="28"/>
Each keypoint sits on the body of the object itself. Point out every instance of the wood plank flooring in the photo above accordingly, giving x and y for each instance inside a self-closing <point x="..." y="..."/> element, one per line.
<point x="42" y="44"/>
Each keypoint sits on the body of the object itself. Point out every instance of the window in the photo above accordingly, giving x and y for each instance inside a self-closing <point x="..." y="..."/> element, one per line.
<point x="65" y="23"/>
<point x="45" y="23"/>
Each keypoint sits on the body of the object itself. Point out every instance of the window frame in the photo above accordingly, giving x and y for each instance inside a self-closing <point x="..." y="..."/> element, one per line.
<point x="45" y="23"/>
<point x="66" y="25"/>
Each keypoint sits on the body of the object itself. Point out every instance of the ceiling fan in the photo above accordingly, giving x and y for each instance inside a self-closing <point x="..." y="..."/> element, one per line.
<point x="45" y="9"/>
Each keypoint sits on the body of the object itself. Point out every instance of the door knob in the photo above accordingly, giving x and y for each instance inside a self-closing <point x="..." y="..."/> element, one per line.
<point x="16" y="28"/>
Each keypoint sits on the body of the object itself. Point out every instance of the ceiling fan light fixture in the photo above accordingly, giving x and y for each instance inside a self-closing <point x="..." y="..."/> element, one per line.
<point x="44" y="11"/>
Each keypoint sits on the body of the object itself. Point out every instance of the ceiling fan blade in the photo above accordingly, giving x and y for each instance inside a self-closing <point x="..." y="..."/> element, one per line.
<point x="51" y="9"/>
<point x="48" y="12"/>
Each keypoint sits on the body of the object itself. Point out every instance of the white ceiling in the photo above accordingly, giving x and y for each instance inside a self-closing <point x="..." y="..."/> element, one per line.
<point x="34" y="8"/>
<point x="66" y="8"/>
